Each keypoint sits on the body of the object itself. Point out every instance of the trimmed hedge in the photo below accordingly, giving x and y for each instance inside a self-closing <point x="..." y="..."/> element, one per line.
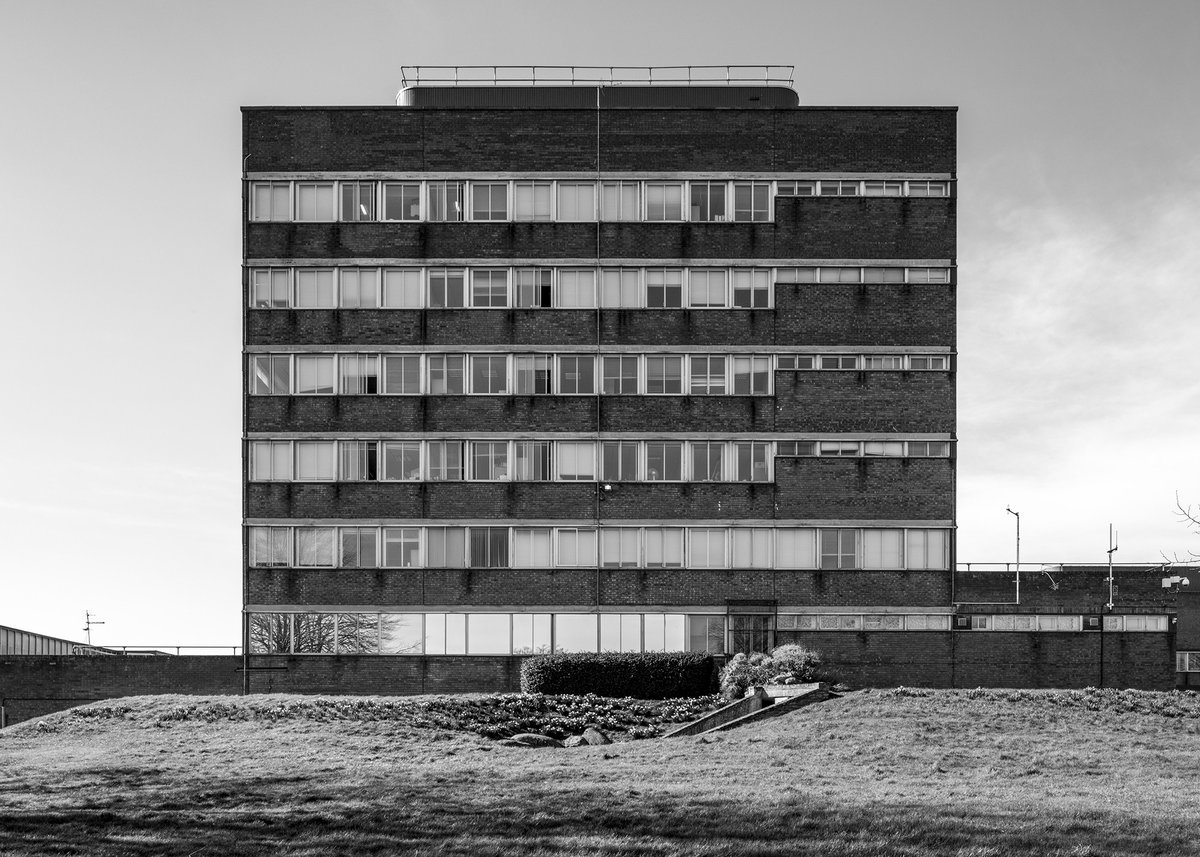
<point x="642" y="675"/>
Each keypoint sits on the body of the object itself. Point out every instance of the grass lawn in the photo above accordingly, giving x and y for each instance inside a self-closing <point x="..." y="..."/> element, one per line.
<point x="965" y="773"/>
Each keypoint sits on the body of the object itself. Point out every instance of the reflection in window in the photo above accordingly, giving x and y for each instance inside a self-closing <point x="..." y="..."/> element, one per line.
<point x="270" y="374"/>
<point x="313" y="633"/>
<point x="314" y="546"/>
<point x="359" y="547"/>
<point x="358" y="633"/>
<point x="314" y="374"/>
<point x="401" y="634"/>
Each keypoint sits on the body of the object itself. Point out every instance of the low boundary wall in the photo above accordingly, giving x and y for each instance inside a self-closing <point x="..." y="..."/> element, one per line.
<point x="34" y="685"/>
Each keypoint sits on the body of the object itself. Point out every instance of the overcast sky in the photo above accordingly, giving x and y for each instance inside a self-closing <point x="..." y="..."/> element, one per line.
<point x="1079" y="250"/>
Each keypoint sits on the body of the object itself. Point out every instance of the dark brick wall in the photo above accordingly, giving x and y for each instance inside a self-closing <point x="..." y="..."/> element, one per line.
<point x="993" y="659"/>
<point x="865" y="488"/>
<point x="865" y="401"/>
<point x="1080" y="589"/>
<point x="407" y="139"/>
<point x="806" y="316"/>
<point x="804" y="228"/>
<point x="1188" y="628"/>
<point x="586" y="587"/>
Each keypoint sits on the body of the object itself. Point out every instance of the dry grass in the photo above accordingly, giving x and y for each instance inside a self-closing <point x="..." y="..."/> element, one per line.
<point x="969" y="774"/>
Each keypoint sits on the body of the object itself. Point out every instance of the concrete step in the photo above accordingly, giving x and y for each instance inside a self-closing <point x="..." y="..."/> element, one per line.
<point x="756" y="706"/>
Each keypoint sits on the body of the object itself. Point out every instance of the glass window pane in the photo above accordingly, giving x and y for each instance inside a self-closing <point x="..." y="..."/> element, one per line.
<point x="447" y="288"/>
<point x="531" y="548"/>
<point x="534" y="287"/>
<point x="489" y="634"/>
<point x="314" y="374"/>
<point x="620" y="287"/>
<point x="315" y="288"/>
<point x="664" y="461"/>
<point x="576" y="201"/>
<point x="531" y="633"/>
<point x="314" y="546"/>
<point x="402" y="547"/>
<point x="313" y="633"/>
<point x="577" y="288"/>
<point x="402" y="201"/>
<point x="664" y="547"/>
<point x="315" y="460"/>
<point x="401" y="634"/>
<point x="402" y="288"/>
<point x="576" y="461"/>
<point x="795" y="548"/>
<point x="446" y="547"/>
<point x="575" y="632"/>
<point x="445" y="460"/>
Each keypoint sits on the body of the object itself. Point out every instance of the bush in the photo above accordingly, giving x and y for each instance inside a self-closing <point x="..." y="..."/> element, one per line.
<point x="789" y="664"/>
<point x="642" y="675"/>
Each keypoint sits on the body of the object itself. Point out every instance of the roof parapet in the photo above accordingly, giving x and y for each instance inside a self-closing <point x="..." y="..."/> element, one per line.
<point x="564" y="77"/>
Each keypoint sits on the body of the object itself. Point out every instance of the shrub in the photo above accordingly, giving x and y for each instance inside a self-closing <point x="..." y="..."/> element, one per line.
<point x="642" y="675"/>
<point x="788" y="664"/>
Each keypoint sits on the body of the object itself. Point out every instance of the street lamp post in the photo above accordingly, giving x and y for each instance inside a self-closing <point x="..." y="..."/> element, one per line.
<point x="1017" y="515"/>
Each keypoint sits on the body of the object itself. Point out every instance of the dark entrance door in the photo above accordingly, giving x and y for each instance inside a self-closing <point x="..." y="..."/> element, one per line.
<point x="751" y="632"/>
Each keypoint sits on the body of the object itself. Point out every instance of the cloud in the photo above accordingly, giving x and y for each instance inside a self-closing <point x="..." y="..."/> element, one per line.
<point x="1077" y="370"/>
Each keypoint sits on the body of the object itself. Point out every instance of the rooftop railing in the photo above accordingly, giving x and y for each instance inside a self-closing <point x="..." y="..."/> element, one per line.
<point x="613" y="75"/>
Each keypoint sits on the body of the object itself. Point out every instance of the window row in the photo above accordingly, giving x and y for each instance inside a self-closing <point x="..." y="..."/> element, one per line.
<point x="511" y="460"/>
<point x="856" y="187"/>
<point x="1187" y="662"/>
<point x="489" y="200"/>
<point x="894" y="362"/>
<point x="548" y="286"/>
<point x="543" y="633"/>
<point x="1059" y="622"/>
<point x="481" y="633"/>
<point x="606" y="547"/>
<point x="552" y="374"/>
<point x="510" y="374"/>
<point x="552" y="461"/>
<point x="864" y="448"/>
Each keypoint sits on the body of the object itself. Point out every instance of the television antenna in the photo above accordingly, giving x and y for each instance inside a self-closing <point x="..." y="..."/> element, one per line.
<point x="88" y="622"/>
<point x="1113" y="535"/>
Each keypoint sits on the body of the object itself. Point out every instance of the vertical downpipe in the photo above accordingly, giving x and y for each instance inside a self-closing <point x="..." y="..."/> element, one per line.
<point x="599" y="370"/>
<point x="245" y="428"/>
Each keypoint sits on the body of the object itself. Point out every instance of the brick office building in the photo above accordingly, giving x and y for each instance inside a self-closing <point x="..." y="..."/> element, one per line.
<point x="587" y="367"/>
